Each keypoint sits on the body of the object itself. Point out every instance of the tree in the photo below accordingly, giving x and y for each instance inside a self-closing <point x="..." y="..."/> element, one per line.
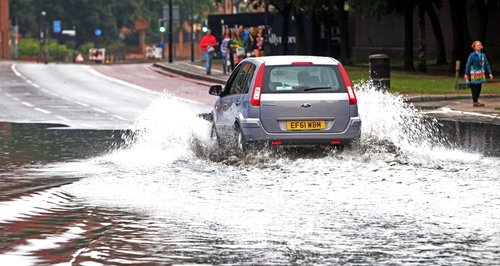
<point x="430" y="8"/>
<point x="458" y="9"/>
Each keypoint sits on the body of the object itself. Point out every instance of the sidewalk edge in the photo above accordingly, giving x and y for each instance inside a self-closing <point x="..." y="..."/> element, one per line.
<point x="189" y="74"/>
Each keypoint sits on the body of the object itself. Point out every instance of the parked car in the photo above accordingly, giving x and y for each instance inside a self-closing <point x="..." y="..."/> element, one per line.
<point x="286" y="100"/>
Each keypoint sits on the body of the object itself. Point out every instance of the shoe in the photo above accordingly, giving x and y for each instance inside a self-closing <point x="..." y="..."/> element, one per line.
<point x="480" y="104"/>
<point x="477" y="105"/>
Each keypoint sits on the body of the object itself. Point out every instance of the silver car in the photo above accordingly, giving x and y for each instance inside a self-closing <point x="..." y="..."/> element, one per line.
<point x="286" y="100"/>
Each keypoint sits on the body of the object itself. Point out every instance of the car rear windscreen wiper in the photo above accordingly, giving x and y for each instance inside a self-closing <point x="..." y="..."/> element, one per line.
<point x="317" y="88"/>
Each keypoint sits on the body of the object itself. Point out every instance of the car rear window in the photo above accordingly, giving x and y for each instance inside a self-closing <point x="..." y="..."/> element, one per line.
<point x="303" y="79"/>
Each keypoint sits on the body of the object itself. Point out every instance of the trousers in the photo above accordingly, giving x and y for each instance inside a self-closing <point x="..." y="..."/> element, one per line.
<point x="476" y="91"/>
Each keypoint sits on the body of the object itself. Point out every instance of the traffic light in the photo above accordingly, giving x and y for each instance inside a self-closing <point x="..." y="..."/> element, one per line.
<point x="161" y="25"/>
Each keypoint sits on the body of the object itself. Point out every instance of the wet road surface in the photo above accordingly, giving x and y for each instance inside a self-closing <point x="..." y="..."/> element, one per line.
<point x="414" y="192"/>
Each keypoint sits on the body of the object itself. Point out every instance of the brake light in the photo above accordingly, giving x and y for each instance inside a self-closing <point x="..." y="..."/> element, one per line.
<point x="335" y="142"/>
<point x="301" y="63"/>
<point x="277" y="143"/>
<point x="348" y="84"/>
<point x="257" y="86"/>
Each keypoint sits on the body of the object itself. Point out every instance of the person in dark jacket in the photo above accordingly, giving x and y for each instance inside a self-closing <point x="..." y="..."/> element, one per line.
<point x="476" y="71"/>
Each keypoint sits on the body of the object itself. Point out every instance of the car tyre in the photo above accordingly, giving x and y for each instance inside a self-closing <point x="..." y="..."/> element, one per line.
<point x="214" y="136"/>
<point x="241" y="142"/>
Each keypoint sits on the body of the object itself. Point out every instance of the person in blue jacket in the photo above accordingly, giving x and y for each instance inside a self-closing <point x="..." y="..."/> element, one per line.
<point x="476" y="70"/>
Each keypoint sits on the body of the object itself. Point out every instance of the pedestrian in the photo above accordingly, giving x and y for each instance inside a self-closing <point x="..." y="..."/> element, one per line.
<point x="238" y="47"/>
<point x="224" y="50"/>
<point x="208" y="43"/>
<point x="252" y="34"/>
<point x="246" y="37"/>
<point x="258" y="49"/>
<point x="476" y="70"/>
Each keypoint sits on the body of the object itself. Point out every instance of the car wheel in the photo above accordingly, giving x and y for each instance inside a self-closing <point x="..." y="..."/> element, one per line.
<point x="214" y="136"/>
<point x="241" y="143"/>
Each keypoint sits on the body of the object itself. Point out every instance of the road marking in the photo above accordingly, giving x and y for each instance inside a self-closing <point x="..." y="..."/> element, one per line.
<point x="449" y="110"/>
<point x="121" y="82"/>
<point x="44" y="90"/>
<point x="13" y="67"/>
<point x="99" y="110"/>
<point x="42" y="110"/>
<point x="35" y="85"/>
<point x="27" y="104"/>
<point x="120" y="118"/>
<point x="82" y="104"/>
<point x="61" y="117"/>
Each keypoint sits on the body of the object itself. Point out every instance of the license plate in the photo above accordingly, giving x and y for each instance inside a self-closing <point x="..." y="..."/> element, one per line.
<point x="305" y="125"/>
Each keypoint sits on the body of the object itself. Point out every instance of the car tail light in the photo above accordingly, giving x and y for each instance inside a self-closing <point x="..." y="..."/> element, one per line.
<point x="257" y="86"/>
<point x="335" y="142"/>
<point x="301" y="63"/>
<point x="348" y="84"/>
<point x="277" y="143"/>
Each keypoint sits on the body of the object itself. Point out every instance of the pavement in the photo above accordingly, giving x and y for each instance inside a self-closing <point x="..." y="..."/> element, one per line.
<point x="449" y="106"/>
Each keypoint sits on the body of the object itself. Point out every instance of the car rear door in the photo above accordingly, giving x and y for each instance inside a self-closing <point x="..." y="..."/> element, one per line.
<point x="231" y="102"/>
<point x="304" y="99"/>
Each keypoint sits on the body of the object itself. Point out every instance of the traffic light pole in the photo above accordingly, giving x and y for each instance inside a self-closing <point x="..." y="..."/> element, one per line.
<point x="170" y="35"/>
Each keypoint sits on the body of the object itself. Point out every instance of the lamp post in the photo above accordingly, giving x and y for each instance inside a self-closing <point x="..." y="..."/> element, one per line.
<point x="170" y="34"/>
<point x="192" y="31"/>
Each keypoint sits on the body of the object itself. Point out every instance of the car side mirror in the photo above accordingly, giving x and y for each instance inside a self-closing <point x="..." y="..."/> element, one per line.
<point x="215" y="90"/>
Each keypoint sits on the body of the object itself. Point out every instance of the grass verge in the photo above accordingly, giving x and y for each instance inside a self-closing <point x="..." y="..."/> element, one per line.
<point x="417" y="83"/>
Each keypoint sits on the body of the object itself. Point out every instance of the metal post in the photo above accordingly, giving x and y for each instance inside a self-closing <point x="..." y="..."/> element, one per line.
<point x="170" y="34"/>
<point x="192" y="30"/>
<point x="266" y="28"/>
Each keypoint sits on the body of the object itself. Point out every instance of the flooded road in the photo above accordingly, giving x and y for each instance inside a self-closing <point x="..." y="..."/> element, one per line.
<point x="415" y="191"/>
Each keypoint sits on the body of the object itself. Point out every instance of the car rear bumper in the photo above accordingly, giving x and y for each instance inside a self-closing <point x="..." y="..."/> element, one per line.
<point x="254" y="131"/>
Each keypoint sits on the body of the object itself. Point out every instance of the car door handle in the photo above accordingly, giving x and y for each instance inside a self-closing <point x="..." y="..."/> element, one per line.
<point x="237" y="103"/>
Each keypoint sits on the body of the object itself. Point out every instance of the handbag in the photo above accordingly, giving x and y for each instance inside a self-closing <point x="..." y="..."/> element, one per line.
<point x="477" y="74"/>
<point x="210" y="49"/>
<point x="240" y="51"/>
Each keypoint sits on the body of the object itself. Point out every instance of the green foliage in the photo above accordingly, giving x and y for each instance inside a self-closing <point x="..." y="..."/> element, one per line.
<point x="58" y="52"/>
<point x="28" y="47"/>
<point x="85" y="47"/>
<point x="88" y="15"/>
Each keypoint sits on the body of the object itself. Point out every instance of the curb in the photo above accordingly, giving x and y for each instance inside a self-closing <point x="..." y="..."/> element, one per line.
<point x="188" y="74"/>
<point x="437" y="98"/>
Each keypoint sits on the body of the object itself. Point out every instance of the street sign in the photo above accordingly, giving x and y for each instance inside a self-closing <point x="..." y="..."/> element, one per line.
<point x="57" y="26"/>
<point x="71" y="33"/>
<point x="175" y="13"/>
<point x="98" y="32"/>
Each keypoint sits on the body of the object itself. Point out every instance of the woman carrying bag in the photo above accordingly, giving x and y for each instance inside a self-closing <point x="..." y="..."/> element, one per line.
<point x="208" y="43"/>
<point x="476" y="70"/>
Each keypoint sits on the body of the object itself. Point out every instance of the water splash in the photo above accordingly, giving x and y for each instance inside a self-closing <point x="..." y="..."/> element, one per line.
<point x="395" y="126"/>
<point x="168" y="130"/>
<point x="392" y="130"/>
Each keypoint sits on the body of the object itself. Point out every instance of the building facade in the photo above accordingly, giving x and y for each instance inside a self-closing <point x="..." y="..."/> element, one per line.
<point x="386" y="35"/>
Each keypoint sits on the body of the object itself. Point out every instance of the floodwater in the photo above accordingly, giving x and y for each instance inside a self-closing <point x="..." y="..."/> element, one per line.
<point x="415" y="191"/>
